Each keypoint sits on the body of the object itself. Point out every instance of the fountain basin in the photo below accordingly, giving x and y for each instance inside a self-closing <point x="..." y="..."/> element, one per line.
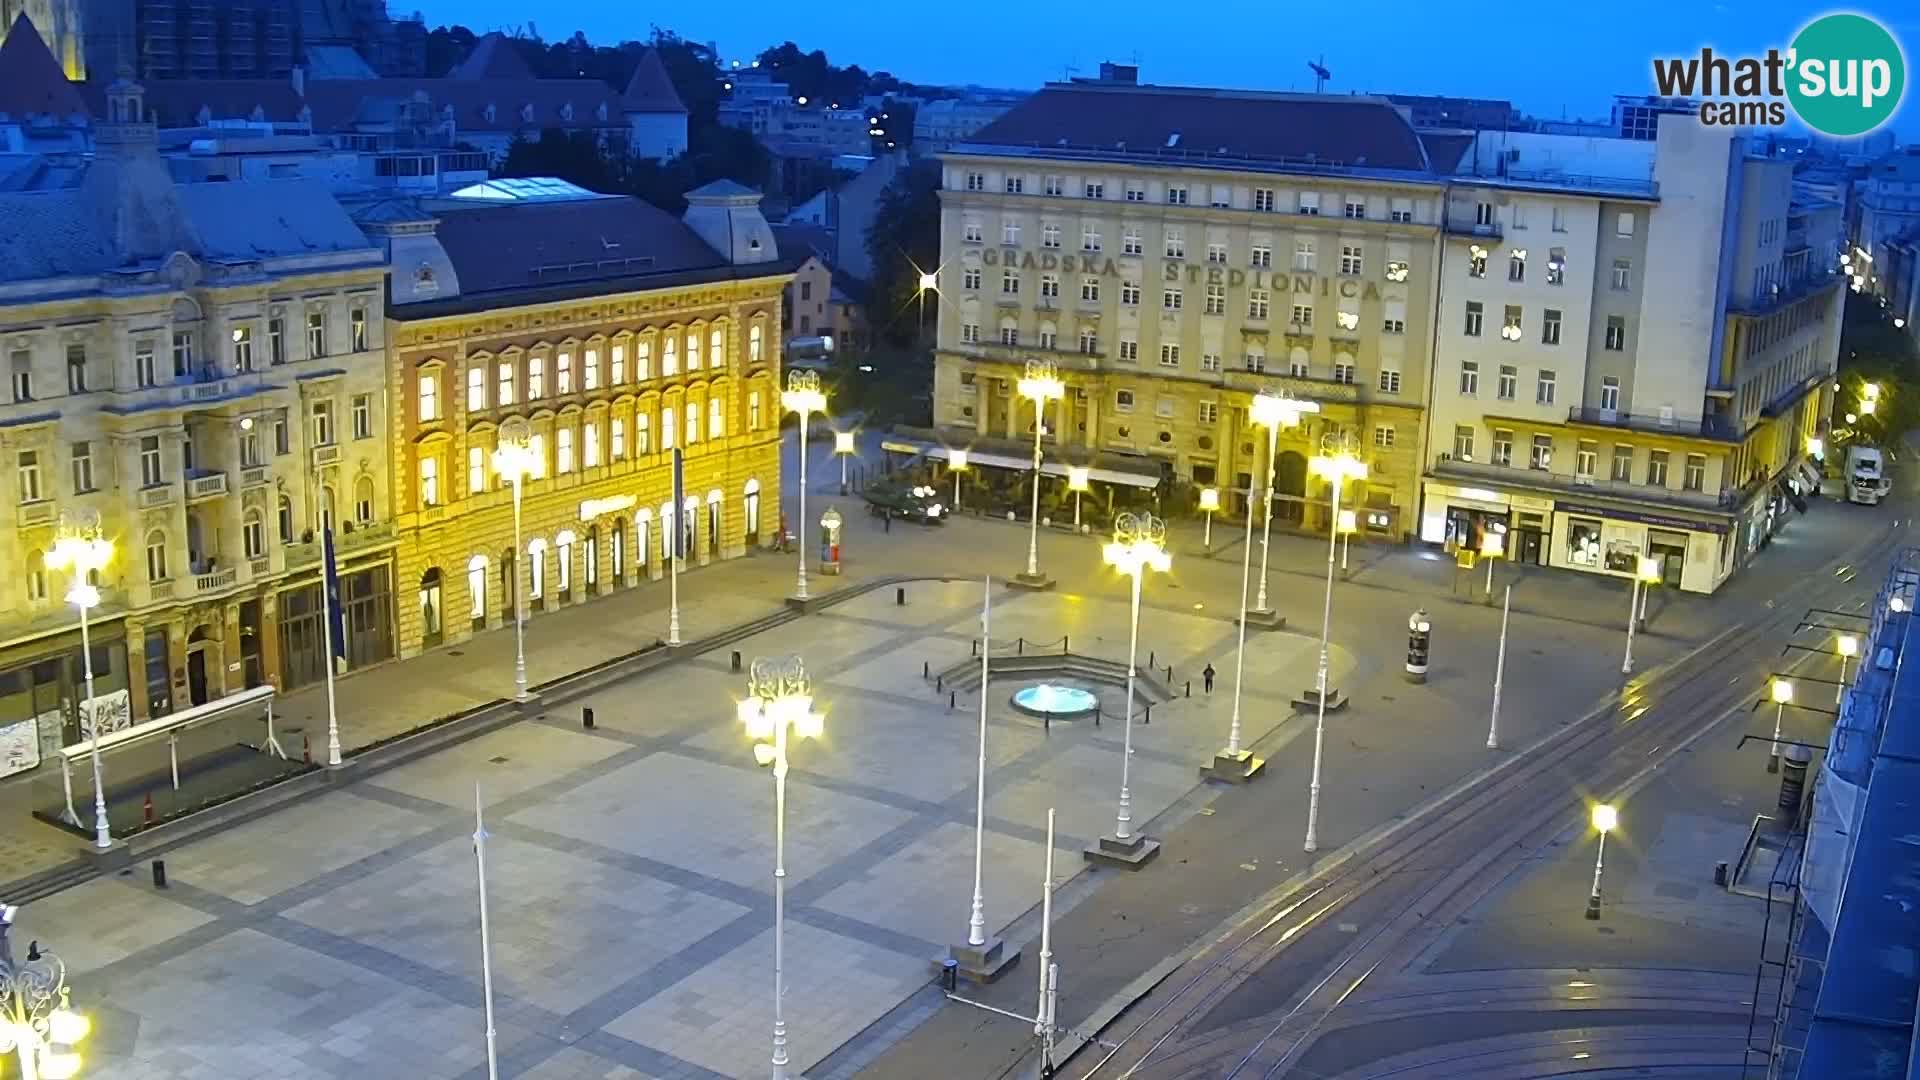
<point x="1051" y="701"/>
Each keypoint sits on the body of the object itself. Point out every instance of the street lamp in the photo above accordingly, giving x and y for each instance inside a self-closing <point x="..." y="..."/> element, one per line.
<point x="1273" y="411"/>
<point x="843" y="448"/>
<point x="1647" y="571"/>
<point x="37" y="1022"/>
<point x="1348" y="522"/>
<point x="1337" y="463"/>
<point x="1849" y="648"/>
<point x="82" y="551"/>
<point x="1139" y="544"/>
<point x="1492" y="546"/>
<point x="1077" y="482"/>
<point x="1816" y="447"/>
<point x="515" y="461"/>
<point x="779" y="706"/>
<point x="956" y="464"/>
<point x="1605" y="817"/>
<point x="803" y="396"/>
<point x="1040" y="384"/>
<point x="1782" y="697"/>
<point x="1209" y="504"/>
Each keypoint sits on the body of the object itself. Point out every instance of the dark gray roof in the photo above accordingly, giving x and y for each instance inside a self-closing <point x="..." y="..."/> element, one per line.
<point x="498" y="248"/>
<point x="1195" y="124"/>
<point x="722" y="187"/>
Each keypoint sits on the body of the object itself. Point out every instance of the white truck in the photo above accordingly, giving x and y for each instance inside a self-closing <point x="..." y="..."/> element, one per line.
<point x="1867" y="480"/>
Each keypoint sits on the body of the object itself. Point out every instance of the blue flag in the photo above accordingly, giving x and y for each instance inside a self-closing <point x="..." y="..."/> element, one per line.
<point x="331" y="592"/>
<point x="679" y="505"/>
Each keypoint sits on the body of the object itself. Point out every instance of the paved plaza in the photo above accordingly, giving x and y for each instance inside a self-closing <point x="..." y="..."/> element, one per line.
<point x="630" y="865"/>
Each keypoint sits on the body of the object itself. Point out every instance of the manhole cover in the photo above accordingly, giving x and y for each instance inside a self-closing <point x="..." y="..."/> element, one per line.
<point x="499" y="760"/>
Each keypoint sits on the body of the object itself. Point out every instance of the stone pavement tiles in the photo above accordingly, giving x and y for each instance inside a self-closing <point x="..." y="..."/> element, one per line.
<point x="630" y="867"/>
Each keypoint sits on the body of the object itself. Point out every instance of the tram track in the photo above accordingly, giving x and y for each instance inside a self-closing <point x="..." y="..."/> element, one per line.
<point x="1400" y="880"/>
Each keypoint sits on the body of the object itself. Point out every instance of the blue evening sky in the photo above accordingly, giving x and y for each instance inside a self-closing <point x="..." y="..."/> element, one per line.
<point x="1542" y="57"/>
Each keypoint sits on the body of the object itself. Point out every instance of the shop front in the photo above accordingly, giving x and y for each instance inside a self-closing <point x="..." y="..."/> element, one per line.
<point x="1692" y="553"/>
<point x="41" y="696"/>
<point x="1461" y="518"/>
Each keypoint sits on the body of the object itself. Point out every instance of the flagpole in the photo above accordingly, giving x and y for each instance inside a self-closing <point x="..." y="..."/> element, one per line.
<point x="326" y="624"/>
<point x="486" y="937"/>
<point x="673" y="551"/>
<point x="977" y="921"/>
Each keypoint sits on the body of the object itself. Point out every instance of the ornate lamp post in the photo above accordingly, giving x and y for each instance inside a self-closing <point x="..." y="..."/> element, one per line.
<point x="514" y="460"/>
<point x="1077" y="482"/>
<point x="843" y="449"/>
<point x="956" y="464"/>
<point x="1272" y="411"/>
<point x="1337" y="463"/>
<point x="778" y="708"/>
<point x="1782" y="694"/>
<point x="36" y="1021"/>
<point x="1605" y="817"/>
<point x="803" y="396"/>
<point x="1209" y="505"/>
<point x="1646" y="572"/>
<point x="1039" y="385"/>
<point x="1139" y="544"/>
<point x="82" y="551"/>
<point x="1849" y="647"/>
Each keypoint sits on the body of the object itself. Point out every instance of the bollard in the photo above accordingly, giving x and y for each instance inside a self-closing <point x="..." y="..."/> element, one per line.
<point x="926" y="669"/>
<point x="939" y="683"/>
<point x="1150" y="660"/>
<point x="1720" y="873"/>
<point x="1066" y="644"/>
<point x="736" y="660"/>
<point x="1169" y="672"/>
<point x="976" y="646"/>
<point x="1148" y="718"/>
<point x="1189" y="687"/>
<point x="900" y="596"/>
<point x="949" y="974"/>
<point x="1793" y="781"/>
<point x="1020" y="646"/>
<point x="586" y="717"/>
<point x="159" y="873"/>
<point x="951" y="695"/>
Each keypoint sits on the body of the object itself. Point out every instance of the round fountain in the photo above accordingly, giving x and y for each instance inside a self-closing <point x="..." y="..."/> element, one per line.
<point x="1051" y="701"/>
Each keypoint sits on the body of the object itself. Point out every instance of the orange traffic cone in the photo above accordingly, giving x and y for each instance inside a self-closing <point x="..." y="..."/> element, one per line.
<point x="146" y="809"/>
<point x="306" y="749"/>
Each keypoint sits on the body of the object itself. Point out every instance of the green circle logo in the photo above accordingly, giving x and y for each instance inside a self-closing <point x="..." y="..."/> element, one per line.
<point x="1846" y="75"/>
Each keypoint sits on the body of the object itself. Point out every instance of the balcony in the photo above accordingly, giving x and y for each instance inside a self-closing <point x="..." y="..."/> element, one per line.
<point x="155" y="496"/>
<point x="1719" y="428"/>
<point x="36" y="513"/>
<point x="208" y="388"/>
<point x="255" y="477"/>
<point x="1473" y="229"/>
<point x="215" y="580"/>
<point x="1575" y="484"/>
<point x="1293" y="386"/>
<point x="326" y="455"/>
<point x="205" y="484"/>
<point x="348" y="540"/>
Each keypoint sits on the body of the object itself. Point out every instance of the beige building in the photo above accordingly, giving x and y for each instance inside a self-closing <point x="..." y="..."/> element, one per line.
<point x="1175" y="251"/>
<point x="200" y="364"/>
<point x="619" y="334"/>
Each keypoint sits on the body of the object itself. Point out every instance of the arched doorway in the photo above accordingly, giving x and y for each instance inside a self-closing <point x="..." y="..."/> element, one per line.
<point x="617" y="552"/>
<point x="1290" y="487"/>
<point x="431" y="629"/>
<point x="590" y="560"/>
<point x="477" y="590"/>
<point x="753" y="510"/>
<point x="714" y="528"/>
<point x="203" y="666"/>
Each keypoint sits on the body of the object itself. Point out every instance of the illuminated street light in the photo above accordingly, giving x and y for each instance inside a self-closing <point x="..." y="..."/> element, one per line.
<point x="1336" y="463"/>
<point x="1853" y="418"/>
<point x="37" y="1021"/>
<point x="1646" y="572"/>
<point x="1209" y="505"/>
<point x="779" y="706"/>
<point x="1816" y="448"/>
<point x="1077" y="482"/>
<point x="843" y="447"/>
<point x="1868" y="406"/>
<point x="929" y="281"/>
<point x="1782" y="697"/>
<point x="1138" y="545"/>
<point x="1348" y="522"/>
<point x="803" y="396"/>
<point x="956" y="464"/>
<point x="1493" y="546"/>
<point x="82" y="551"/>
<point x="515" y="460"/>
<point x="1040" y="384"/>
<point x="1273" y="411"/>
<point x="1849" y="647"/>
<point x="1604" y="817"/>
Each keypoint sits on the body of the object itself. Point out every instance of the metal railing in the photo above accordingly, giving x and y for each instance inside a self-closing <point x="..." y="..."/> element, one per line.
<point x="1705" y="427"/>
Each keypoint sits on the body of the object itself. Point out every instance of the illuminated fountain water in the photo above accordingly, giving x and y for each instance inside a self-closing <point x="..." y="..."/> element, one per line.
<point x="1052" y="701"/>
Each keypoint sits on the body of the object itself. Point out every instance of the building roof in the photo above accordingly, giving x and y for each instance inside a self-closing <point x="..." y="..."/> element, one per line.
<point x="498" y="248"/>
<point x="803" y="240"/>
<point x="340" y="104"/>
<point x="1195" y="124"/>
<point x="722" y="188"/>
<point x="336" y="62"/>
<point x="493" y="57"/>
<point x="175" y="103"/>
<point x="651" y="90"/>
<point x="1446" y="148"/>
<point x="31" y="80"/>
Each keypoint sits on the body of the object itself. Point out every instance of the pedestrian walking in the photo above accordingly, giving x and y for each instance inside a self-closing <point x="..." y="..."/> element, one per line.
<point x="1206" y="677"/>
<point x="889" y="524"/>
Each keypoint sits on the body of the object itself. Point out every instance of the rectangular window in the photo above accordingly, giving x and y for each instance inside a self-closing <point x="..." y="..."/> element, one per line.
<point x="1209" y="413"/>
<point x="1502" y="446"/>
<point x="1130" y="294"/>
<point x="282" y="436"/>
<point x="363" y="416"/>
<point x="1510" y="323"/>
<point x="590" y="444"/>
<point x="1476" y="261"/>
<point x="970" y="279"/>
<point x="1389" y="382"/>
<point x="1483" y="214"/>
<point x="476" y="470"/>
<point x="973" y="232"/>
<point x="976" y="181"/>
<point x="1090" y="290"/>
<point x="1010" y="232"/>
<point x="1176" y="195"/>
<point x="1696" y="475"/>
<point x="1476" y="315"/>
<point x="1550" y="327"/>
<point x="563" y="449"/>
<point x="429" y="398"/>
<point x="1222" y="196"/>
<point x="152" y="473"/>
<point x="1383" y="435"/>
<point x="1009" y="335"/>
<point x="1049" y="287"/>
<point x="1622" y="463"/>
<point x="1462" y="443"/>
<point x="506" y="383"/>
<point x="1171" y="299"/>
<point x="322" y="417"/>
<point x="1469" y="377"/>
<point x="669" y="356"/>
<point x="1129" y="350"/>
<point x="1258" y="301"/>
<point x="1304" y="254"/>
<point x="693" y="423"/>
<point x="1541" y="455"/>
<point x="276" y="340"/>
<point x="1091" y="189"/>
<point x="1136" y="192"/>
<point x="30" y="489"/>
<point x="1260" y="256"/>
<point x="1559" y="219"/>
<point x="1131" y="241"/>
<point x="1169" y="355"/>
<point x="1089" y="341"/>
<point x="1263" y="199"/>
<point x="82" y="467"/>
<point x="429" y="481"/>
<point x="1009" y="283"/>
<point x="1350" y="260"/>
<point x="77" y="369"/>
<point x="1622" y="274"/>
<point x="182" y="353"/>
<point x="1209" y="361"/>
<point x="476" y="389"/>
<point x="316" y="334"/>
<point x="146" y="372"/>
<point x="1509" y="382"/>
<point x="1090" y="239"/>
<point x="716" y="410"/>
<point x="1543" y="389"/>
<point x="1585" y="458"/>
<point x="617" y="365"/>
<point x="1176" y="243"/>
<point x="642" y="433"/>
<point x="563" y="373"/>
<point x="1255" y="360"/>
<point x="1343" y="373"/>
<point x="617" y="439"/>
<point x="970" y="333"/>
<point x="1310" y="203"/>
<point x="1609" y="393"/>
<point x="536" y="378"/>
<point x="693" y="352"/>
<point x="1299" y="369"/>
<point x="1016" y="184"/>
<point x="1123" y="401"/>
<point x="1623" y="223"/>
<point x="1393" y="326"/>
<point x="1356" y="208"/>
<point x="357" y="322"/>
<point x="1616" y="333"/>
<point x="1657" y="468"/>
<point x="1302" y="316"/>
<point x="1217" y="254"/>
<point x="1054" y="185"/>
<point x="1557" y="266"/>
<point x="1050" y="235"/>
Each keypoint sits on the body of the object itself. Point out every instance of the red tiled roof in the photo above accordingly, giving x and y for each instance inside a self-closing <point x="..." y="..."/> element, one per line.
<point x="1194" y="123"/>
<point x="650" y="90"/>
<point x="493" y="57"/>
<point x="31" y="81"/>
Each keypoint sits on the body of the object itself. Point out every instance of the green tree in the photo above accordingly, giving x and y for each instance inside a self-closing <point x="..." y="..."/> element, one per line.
<point x="903" y="242"/>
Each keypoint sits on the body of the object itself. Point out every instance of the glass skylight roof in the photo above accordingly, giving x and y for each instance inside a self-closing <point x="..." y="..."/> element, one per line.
<point x="523" y="188"/>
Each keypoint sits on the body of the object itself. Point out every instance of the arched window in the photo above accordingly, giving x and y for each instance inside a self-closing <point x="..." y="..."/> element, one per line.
<point x="563" y="545"/>
<point x="590" y="554"/>
<point x="669" y="545"/>
<point x="477" y="590"/>
<point x="617" y="551"/>
<point x="717" y="348"/>
<point x="430" y="621"/>
<point x="537" y="568"/>
<point x="690" y="528"/>
<point x="713" y="523"/>
<point x="286" y="520"/>
<point x="253" y="535"/>
<point x="157" y="556"/>
<point x="642" y="543"/>
<point x="363" y="500"/>
<point x="753" y="344"/>
<point x="752" y="501"/>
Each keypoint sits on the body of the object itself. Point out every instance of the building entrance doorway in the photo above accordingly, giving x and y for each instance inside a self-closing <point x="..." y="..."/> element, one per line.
<point x="203" y="666"/>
